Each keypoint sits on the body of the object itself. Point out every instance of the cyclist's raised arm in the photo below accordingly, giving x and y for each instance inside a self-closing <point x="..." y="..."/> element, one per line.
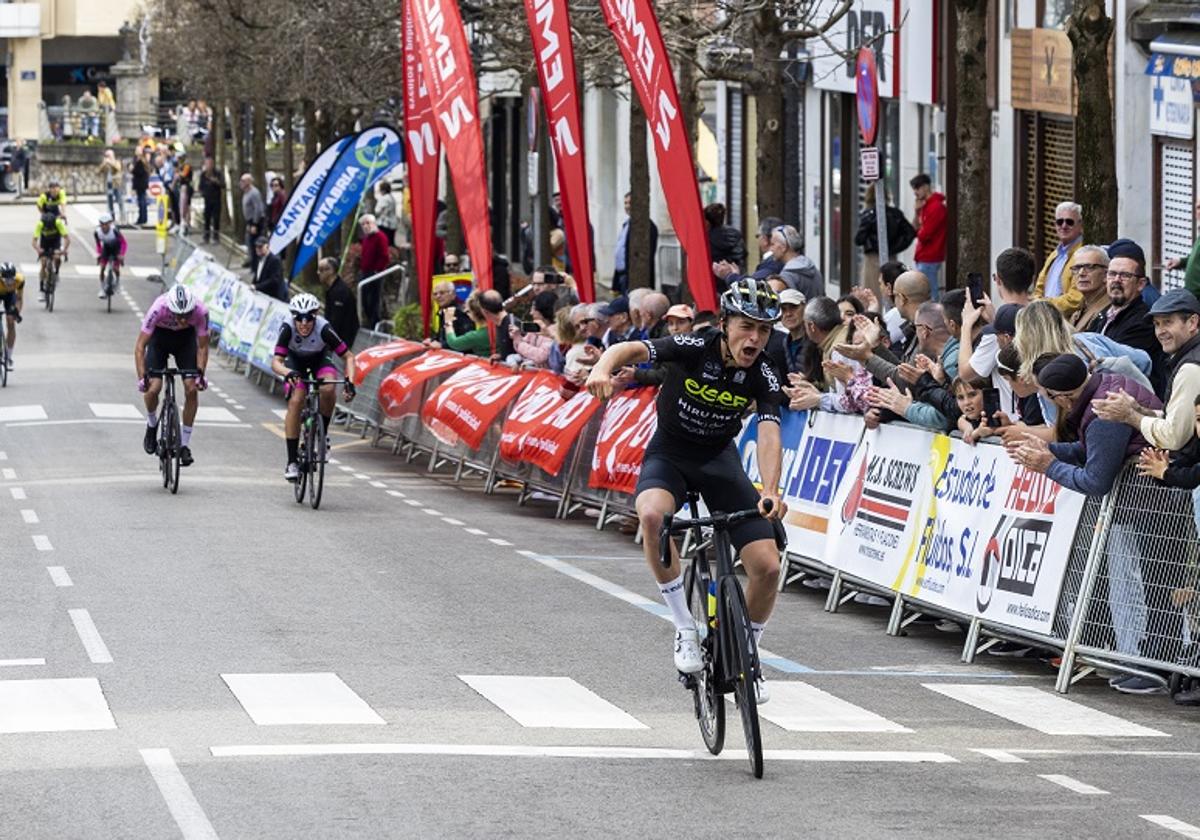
<point x="620" y="355"/>
<point x="770" y="464"/>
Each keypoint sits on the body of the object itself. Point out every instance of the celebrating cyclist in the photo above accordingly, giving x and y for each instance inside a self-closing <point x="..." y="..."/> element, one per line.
<point x="305" y="350"/>
<point x="175" y="326"/>
<point x="711" y="380"/>
<point x="50" y="239"/>
<point x="110" y="248"/>
<point x="12" y="295"/>
<point x="53" y="200"/>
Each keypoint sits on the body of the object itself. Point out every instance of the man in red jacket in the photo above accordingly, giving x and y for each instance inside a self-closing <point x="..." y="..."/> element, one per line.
<point x="373" y="259"/>
<point x="930" y="223"/>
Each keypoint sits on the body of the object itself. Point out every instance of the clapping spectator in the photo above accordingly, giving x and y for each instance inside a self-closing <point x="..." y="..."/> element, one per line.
<point x="827" y="379"/>
<point x="1089" y="268"/>
<point x="729" y="273"/>
<point x="971" y="421"/>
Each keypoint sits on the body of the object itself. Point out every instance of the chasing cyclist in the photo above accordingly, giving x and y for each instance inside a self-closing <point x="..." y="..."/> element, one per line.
<point x="305" y="349"/>
<point x="12" y="295"/>
<point x="176" y="325"/>
<point x="53" y="200"/>
<point x="110" y="247"/>
<point x="50" y="239"/>
<point x="711" y="380"/>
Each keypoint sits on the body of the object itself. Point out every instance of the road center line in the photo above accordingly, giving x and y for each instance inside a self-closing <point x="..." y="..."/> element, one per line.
<point x="1171" y="824"/>
<point x="59" y="575"/>
<point x="20" y="663"/>
<point x="1072" y="784"/>
<point x="42" y="543"/>
<point x="18" y="493"/>
<point x="30" y="516"/>
<point x="97" y="651"/>
<point x="177" y="793"/>
<point x="9" y="474"/>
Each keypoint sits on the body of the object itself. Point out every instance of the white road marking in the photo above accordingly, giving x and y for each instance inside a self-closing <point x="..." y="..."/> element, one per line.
<point x="450" y="521"/>
<point x="215" y="414"/>
<point x="97" y="651"/>
<point x="3" y="456"/>
<point x="20" y="663"/>
<point x="177" y="793"/>
<point x="53" y="705"/>
<point x="59" y="575"/>
<point x="476" y="532"/>
<point x="114" y="410"/>
<point x="18" y="493"/>
<point x="1042" y="710"/>
<point x="9" y="474"/>
<point x="345" y="468"/>
<point x="42" y="543"/>
<point x="379" y="484"/>
<point x="281" y="413"/>
<point x="800" y="707"/>
<point x="1171" y="824"/>
<point x="229" y="400"/>
<point x="550" y="702"/>
<point x="433" y="512"/>
<point x="498" y="541"/>
<point x="30" y="516"/>
<point x="1003" y="756"/>
<point x="1069" y="783"/>
<point x="319" y="698"/>
<point x="100" y="421"/>
<point x="362" y="477"/>
<point x="521" y="751"/>
<point x="143" y="271"/>
<point x="396" y="493"/>
<point x="414" y="503"/>
<point x="239" y="407"/>
<point x="13" y="413"/>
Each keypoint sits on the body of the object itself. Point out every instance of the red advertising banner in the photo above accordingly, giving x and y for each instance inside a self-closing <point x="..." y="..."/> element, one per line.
<point x="441" y="43"/>
<point x="423" y="151"/>
<point x="550" y="28"/>
<point x="628" y="424"/>
<point x="465" y="405"/>
<point x="381" y="354"/>
<point x="399" y="392"/>
<point x="633" y="24"/>
<point x="542" y="426"/>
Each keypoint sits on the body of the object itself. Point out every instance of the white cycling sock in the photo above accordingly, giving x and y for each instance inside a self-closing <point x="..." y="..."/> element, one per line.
<point x="186" y="437"/>
<point x="672" y="593"/>
<point x="151" y="419"/>
<point x="757" y="628"/>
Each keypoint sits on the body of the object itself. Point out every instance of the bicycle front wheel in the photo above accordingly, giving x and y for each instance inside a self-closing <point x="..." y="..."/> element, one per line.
<point x="164" y="445"/>
<point x="108" y="290"/>
<point x="316" y="434"/>
<point x="735" y="620"/>
<point x="173" y="456"/>
<point x="51" y="282"/>
<point x="302" y="459"/>
<point x="710" y="706"/>
<point x="3" y="356"/>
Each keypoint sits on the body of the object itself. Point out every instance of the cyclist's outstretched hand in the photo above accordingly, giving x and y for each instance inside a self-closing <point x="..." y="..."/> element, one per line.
<point x="201" y="383"/>
<point x="600" y="383"/>
<point x="349" y="391"/>
<point x="143" y="384"/>
<point x="777" y="507"/>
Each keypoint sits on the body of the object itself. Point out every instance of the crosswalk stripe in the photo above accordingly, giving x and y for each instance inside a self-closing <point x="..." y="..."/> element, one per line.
<point x="311" y="699"/>
<point x="1042" y="710"/>
<point x="800" y="707"/>
<point x="115" y="410"/>
<point x="215" y="414"/>
<point x="53" y="705"/>
<point x="550" y="702"/>
<point x="1171" y="824"/>
<point x="14" y="413"/>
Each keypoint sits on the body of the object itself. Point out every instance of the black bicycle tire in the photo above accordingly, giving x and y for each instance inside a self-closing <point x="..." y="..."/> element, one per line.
<point x="176" y="459"/>
<point x="108" y="289"/>
<point x="709" y="702"/>
<point x="732" y="615"/>
<point x="301" y="482"/>
<point x="51" y="283"/>
<point x="317" y="480"/>
<point x="164" y="445"/>
<point x="3" y="354"/>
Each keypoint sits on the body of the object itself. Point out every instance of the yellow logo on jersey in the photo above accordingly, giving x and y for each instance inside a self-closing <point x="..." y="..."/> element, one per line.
<point x="713" y="395"/>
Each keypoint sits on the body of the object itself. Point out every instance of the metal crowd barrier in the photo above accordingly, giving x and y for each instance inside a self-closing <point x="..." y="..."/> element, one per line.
<point x="365" y="408"/>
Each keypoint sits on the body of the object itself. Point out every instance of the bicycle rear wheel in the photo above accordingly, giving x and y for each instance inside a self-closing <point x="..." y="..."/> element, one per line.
<point x="108" y="289"/>
<point x="316" y="442"/>
<point x="732" y="615"/>
<point x="302" y="463"/>
<point x="3" y="355"/>
<point x="51" y="282"/>
<point x="164" y="445"/>
<point x="710" y="707"/>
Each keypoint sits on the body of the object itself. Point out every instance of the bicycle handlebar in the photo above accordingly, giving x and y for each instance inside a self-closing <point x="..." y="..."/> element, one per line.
<point x="175" y="371"/>
<point x="720" y="521"/>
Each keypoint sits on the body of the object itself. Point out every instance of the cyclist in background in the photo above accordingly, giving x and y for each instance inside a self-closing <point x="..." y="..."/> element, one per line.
<point x="12" y="295"/>
<point x="305" y="349"/>
<point x="110" y="247"/>
<point x="711" y="380"/>
<point x="176" y="325"/>
<point x="53" y="200"/>
<point x="50" y="238"/>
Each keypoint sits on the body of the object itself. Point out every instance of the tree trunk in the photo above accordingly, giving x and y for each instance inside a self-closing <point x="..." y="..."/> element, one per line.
<point x="972" y="133"/>
<point x="769" y="155"/>
<point x="1095" y="150"/>
<point x="455" y="243"/>
<point x="258" y="146"/>
<point x="638" y="263"/>
<point x="289" y="149"/>
<point x="238" y="115"/>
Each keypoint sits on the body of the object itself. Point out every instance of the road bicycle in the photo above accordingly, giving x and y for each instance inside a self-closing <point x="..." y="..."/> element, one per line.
<point x="718" y="606"/>
<point x="169" y="431"/>
<point x="48" y="277"/>
<point x="312" y="454"/>
<point x="3" y="351"/>
<point x="110" y="282"/>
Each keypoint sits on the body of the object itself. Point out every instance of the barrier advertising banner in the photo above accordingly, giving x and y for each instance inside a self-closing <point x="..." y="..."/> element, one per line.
<point x="423" y="151"/>
<point x="554" y="55"/>
<point x="629" y="422"/>
<point x="368" y="156"/>
<point x="542" y="426"/>
<point x="276" y="316"/>
<point x="371" y="358"/>
<point x="441" y="43"/>
<point x="221" y="295"/>
<point x="304" y="196"/>
<point x="465" y="405"/>
<point x="635" y="28"/>
<point x="242" y="298"/>
<point x="402" y="383"/>
<point x="250" y="309"/>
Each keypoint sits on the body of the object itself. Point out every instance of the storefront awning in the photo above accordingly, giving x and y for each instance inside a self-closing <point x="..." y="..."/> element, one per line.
<point x="1175" y="54"/>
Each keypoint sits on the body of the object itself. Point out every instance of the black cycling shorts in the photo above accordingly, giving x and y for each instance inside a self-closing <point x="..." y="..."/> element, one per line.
<point x="717" y="475"/>
<point x="181" y="344"/>
<point x="9" y="299"/>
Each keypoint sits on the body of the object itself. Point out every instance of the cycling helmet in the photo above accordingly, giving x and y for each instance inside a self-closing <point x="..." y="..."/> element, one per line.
<point x="180" y="299"/>
<point x="753" y="299"/>
<point x="53" y="182"/>
<point x="304" y="304"/>
<point x="105" y="219"/>
<point x="8" y="270"/>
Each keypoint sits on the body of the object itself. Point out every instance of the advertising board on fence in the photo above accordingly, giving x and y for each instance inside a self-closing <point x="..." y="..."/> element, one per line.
<point x="629" y="422"/>
<point x="367" y="360"/>
<point x="263" y="351"/>
<point x="399" y="393"/>
<point x="249" y="309"/>
<point x="811" y="476"/>
<point x="465" y="405"/>
<point x="542" y="426"/>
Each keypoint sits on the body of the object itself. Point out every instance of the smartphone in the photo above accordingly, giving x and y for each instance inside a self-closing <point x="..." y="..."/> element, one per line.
<point x="530" y="327"/>
<point x="975" y="287"/>
<point x="991" y="406"/>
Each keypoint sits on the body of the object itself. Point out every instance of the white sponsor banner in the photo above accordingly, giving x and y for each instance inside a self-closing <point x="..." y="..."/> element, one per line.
<point x="811" y="477"/>
<point x="243" y="297"/>
<point x="221" y="293"/>
<point x="276" y="316"/>
<point x="190" y="266"/>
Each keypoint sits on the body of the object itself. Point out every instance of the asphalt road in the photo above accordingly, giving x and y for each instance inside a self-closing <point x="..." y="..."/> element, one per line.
<point x="418" y="659"/>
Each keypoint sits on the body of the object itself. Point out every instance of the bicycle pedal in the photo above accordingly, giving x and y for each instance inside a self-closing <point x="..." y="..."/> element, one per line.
<point x="688" y="680"/>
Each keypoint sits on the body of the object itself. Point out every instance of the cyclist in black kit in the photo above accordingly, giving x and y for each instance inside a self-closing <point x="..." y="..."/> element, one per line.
<point x="711" y="381"/>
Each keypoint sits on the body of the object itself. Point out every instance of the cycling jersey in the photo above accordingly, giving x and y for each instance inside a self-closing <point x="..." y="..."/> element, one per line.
<point x="161" y="318"/>
<point x="109" y="245"/>
<point x="56" y="204"/>
<point x="8" y="285"/>
<point x="702" y="399"/>
<point x="52" y="238"/>
<point x="312" y="351"/>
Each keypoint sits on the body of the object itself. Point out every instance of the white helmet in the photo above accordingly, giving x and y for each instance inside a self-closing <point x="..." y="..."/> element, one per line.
<point x="105" y="219"/>
<point x="304" y="304"/>
<point x="180" y="299"/>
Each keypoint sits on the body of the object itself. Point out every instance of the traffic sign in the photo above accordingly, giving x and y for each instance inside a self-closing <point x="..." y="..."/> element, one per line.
<point x="866" y="92"/>
<point x="154" y="186"/>
<point x="868" y="164"/>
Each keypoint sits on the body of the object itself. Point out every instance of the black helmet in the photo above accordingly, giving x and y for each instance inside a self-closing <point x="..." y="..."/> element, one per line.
<point x="753" y="299"/>
<point x="8" y="270"/>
